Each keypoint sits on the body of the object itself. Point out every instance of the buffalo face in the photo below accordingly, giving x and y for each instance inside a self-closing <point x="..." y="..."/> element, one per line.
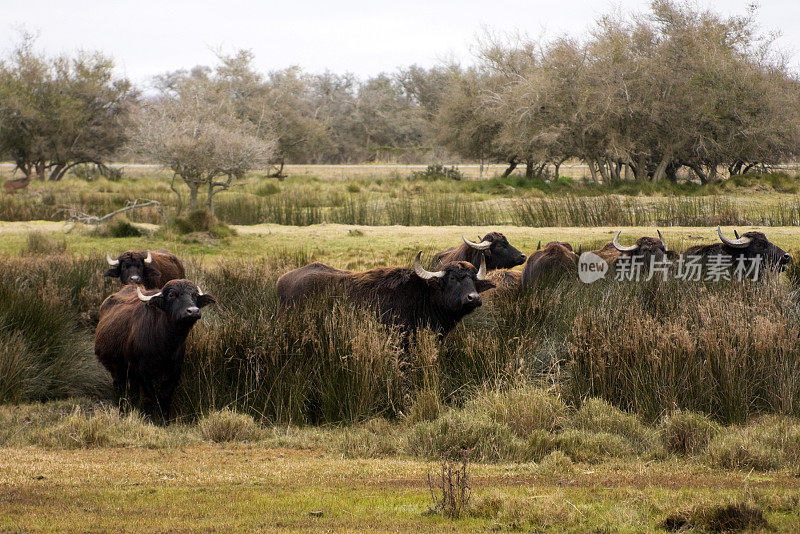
<point x="499" y="253"/>
<point x="180" y="300"/>
<point x="756" y="245"/>
<point x="132" y="267"/>
<point x="646" y="249"/>
<point x="458" y="286"/>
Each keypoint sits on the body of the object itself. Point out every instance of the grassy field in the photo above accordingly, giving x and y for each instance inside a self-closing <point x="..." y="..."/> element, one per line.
<point x="574" y="418"/>
<point x="387" y="196"/>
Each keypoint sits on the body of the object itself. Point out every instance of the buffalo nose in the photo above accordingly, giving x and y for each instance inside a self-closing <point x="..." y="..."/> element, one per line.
<point x="474" y="298"/>
<point x="193" y="311"/>
<point x="523" y="256"/>
<point x="135" y="278"/>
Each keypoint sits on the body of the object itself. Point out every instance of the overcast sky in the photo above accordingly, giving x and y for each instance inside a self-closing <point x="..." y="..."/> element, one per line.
<point x="148" y="37"/>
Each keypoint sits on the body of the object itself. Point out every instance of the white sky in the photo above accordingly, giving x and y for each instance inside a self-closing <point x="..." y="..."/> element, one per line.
<point x="147" y="37"/>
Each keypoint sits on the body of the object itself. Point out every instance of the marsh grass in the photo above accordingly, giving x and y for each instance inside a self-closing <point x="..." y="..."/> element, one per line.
<point x="303" y="200"/>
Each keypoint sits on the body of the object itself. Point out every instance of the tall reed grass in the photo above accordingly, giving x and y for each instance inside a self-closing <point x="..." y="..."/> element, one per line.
<point x="726" y="350"/>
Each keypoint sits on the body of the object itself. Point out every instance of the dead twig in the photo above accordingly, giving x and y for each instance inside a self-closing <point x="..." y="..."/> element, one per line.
<point x="78" y="216"/>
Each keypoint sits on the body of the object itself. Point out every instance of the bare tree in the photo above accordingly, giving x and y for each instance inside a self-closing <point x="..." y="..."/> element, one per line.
<point x="199" y="131"/>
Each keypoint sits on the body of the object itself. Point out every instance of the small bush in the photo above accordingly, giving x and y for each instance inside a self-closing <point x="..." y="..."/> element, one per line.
<point x="580" y="446"/>
<point x="597" y="415"/>
<point x="226" y="425"/>
<point x="736" y="517"/>
<point x="120" y="227"/>
<point x="687" y="432"/>
<point x="458" y="430"/>
<point x="770" y="442"/>
<point x="105" y="427"/>
<point x="202" y="221"/>
<point x="523" y="410"/>
<point x="436" y="172"/>
<point x="41" y="243"/>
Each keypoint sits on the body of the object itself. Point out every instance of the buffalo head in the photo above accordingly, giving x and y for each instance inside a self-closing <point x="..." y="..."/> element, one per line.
<point x="499" y="253"/>
<point x="180" y="300"/>
<point x="131" y="267"/>
<point x="457" y="286"/>
<point x="755" y="244"/>
<point x="646" y="248"/>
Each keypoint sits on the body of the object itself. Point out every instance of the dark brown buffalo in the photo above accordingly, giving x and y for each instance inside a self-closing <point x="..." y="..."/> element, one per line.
<point x="409" y="298"/>
<point x="150" y="269"/>
<point x="749" y="245"/>
<point x="141" y="341"/>
<point x="494" y="247"/>
<point x="554" y="262"/>
<point x="645" y="250"/>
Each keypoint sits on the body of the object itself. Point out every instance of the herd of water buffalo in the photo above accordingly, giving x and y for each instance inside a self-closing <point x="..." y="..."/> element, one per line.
<point x="141" y="334"/>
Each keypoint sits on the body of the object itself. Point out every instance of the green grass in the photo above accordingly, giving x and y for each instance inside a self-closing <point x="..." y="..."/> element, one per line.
<point x="66" y="465"/>
<point x="389" y="197"/>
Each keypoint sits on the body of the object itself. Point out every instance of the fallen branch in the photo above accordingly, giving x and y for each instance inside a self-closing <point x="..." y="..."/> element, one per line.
<point x="78" y="216"/>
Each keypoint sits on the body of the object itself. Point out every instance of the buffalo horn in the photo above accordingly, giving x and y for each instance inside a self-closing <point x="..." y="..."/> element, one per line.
<point x="742" y="242"/>
<point x="149" y="258"/>
<point x="482" y="269"/>
<point x="661" y="237"/>
<point x="483" y="245"/>
<point x="143" y="297"/>
<point x="111" y="262"/>
<point x="620" y="247"/>
<point x="421" y="272"/>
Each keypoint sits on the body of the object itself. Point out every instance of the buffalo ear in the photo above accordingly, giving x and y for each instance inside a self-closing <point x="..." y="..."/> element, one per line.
<point x="113" y="272"/>
<point x="158" y="301"/>
<point x="205" y="300"/>
<point x="672" y="255"/>
<point x="484" y="285"/>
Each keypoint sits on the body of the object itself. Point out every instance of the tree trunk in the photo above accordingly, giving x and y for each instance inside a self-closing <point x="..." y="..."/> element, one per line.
<point x="602" y="168"/>
<point x="556" y="166"/>
<point x="54" y="174"/>
<point x="210" y="198"/>
<point x="193" y="188"/>
<point x="660" y="172"/>
<point x="529" y="170"/>
<point x="512" y="164"/>
<point x="592" y="170"/>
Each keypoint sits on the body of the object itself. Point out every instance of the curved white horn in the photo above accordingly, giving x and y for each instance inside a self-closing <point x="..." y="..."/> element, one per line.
<point x="149" y="258"/>
<point x="483" y="245"/>
<point x="111" y="262"/>
<point x="742" y="242"/>
<point x="482" y="269"/>
<point x="620" y="247"/>
<point x="199" y="292"/>
<point x="421" y="272"/>
<point x="143" y="297"/>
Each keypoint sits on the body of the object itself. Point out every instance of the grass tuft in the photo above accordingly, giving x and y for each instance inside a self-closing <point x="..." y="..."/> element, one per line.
<point x="226" y="425"/>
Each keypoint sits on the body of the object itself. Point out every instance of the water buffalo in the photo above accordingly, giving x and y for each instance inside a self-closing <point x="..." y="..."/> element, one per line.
<point x="405" y="297"/>
<point x="645" y="249"/>
<point x="555" y="261"/>
<point x="494" y="247"/>
<point x="749" y="245"/>
<point x="150" y="269"/>
<point x="141" y="338"/>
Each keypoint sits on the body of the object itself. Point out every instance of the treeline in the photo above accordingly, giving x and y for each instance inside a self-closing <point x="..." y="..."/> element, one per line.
<point x="641" y="97"/>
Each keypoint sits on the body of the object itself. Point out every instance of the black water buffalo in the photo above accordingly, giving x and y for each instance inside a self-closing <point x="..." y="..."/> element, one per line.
<point x="645" y="250"/>
<point x="140" y="340"/>
<point x="150" y="269"/>
<point x="749" y="245"/>
<point x="408" y="298"/>
<point x="554" y="262"/>
<point x="494" y="247"/>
